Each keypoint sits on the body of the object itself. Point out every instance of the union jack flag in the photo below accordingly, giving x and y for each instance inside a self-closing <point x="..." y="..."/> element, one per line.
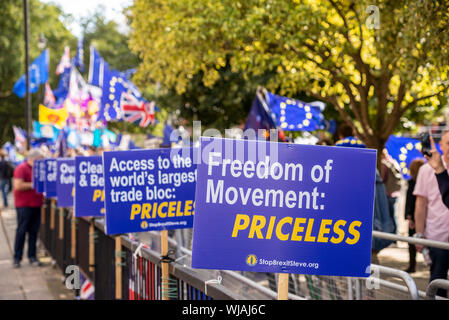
<point x="137" y="110"/>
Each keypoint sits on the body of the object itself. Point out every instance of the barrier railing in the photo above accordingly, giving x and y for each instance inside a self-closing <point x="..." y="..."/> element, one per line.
<point x="434" y="286"/>
<point x="113" y="266"/>
<point x="126" y="274"/>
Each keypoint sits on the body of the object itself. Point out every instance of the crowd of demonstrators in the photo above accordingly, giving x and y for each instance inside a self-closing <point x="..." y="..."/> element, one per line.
<point x="426" y="209"/>
<point x="432" y="215"/>
<point x="427" y="203"/>
<point x="410" y="211"/>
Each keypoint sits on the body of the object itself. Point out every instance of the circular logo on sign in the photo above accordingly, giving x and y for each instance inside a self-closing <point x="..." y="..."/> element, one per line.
<point x="251" y="260"/>
<point x="144" y="225"/>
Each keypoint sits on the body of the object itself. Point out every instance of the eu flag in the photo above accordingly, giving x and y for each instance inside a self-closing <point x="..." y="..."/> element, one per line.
<point x="114" y="84"/>
<point x="38" y="74"/>
<point x="404" y="150"/>
<point x="62" y="90"/>
<point x="260" y="117"/>
<point x="295" y="115"/>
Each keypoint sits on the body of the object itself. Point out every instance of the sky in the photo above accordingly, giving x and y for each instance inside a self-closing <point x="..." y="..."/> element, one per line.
<point x="81" y="8"/>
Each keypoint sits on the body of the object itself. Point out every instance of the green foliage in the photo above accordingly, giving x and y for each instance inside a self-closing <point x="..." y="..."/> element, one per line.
<point x="373" y="77"/>
<point x="44" y="19"/>
<point x="112" y="44"/>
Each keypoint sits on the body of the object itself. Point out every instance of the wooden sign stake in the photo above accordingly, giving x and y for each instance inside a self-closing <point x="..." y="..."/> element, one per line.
<point x="92" y="246"/>
<point x="164" y="264"/>
<point x="283" y="286"/>
<point x="118" y="267"/>
<point x="52" y="214"/>
<point x="73" y="238"/>
<point x="43" y="212"/>
<point x="61" y="223"/>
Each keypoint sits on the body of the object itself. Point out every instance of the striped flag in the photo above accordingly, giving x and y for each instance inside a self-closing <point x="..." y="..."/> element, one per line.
<point x="19" y="134"/>
<point x="135" y="110"/>
<point x="65" y="61"/>
<point x="87" y="290"/>
<point x="49" y="98"/>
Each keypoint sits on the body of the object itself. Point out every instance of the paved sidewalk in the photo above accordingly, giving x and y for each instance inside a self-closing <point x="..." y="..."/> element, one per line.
<point x="26" y="282"/>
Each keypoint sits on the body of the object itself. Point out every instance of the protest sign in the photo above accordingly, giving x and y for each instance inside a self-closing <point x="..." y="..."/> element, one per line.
<point x="149" y="189"/>
<point x="89" y="184"/>
<point x="293" y="209"/>
<point x="50" y="178"/>
<point x="35" y="174"/>
<point x="40" y="164"/>
<point x="65" y="183"/>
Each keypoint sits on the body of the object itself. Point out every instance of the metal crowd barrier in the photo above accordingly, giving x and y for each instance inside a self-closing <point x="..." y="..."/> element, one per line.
<point x="434" y="286"/>
<point x="101" y="261"/>
<point x="117" y="271"/>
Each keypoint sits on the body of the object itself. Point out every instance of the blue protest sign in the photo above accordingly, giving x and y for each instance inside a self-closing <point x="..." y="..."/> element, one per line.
<point x="40" y="165"/>
<point x="89" y="184"/>
<point x="50" y="178"/>
<point x="285" y="208"/>
<point x="35" y="174"/>
<point x="149" y="189"/>
<point x="65" y="184"/>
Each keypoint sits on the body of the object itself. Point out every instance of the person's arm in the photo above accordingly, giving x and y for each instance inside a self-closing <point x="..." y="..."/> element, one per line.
<point x="436" y="162"/>
<point x="443" y="185"/>
<point x="410" y="205"/>
<point x="21" y="185"/>
<point x="420" y="217"/>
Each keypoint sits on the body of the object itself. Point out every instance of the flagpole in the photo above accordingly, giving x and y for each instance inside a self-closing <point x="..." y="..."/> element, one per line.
<point x="27" y="77"/>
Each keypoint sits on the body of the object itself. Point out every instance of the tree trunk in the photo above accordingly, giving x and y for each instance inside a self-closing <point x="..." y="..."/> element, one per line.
<point x="377" y="144"/>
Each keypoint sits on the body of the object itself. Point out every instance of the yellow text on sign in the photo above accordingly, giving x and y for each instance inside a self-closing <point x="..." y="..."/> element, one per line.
<point x="296" y="229"/>
<point x="165" y="209"/>
<point x="98" y="195"/>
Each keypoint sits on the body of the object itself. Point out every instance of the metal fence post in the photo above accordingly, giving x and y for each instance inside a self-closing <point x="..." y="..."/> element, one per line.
<point x="433" y="286"/>
<point x="350" y="290"/>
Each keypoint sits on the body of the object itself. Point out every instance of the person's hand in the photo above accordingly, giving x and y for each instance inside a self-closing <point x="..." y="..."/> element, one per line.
<point x="435" y="161"/>
<point x="411" y="223"/>
<point x="419" y="247"/>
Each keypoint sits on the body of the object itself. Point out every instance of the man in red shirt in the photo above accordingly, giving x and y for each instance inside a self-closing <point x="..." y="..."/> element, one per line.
<point x="28" y="205"/>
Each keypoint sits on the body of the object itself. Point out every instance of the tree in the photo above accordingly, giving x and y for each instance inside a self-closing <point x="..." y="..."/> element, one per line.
<point x="112" y="44"/>
<point x="373" y="75"/>
<point x="45" y="19"/>
<point x="105" y="36"/>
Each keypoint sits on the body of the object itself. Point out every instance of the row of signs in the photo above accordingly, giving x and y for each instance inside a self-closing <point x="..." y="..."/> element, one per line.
<point x="253" y="205"/>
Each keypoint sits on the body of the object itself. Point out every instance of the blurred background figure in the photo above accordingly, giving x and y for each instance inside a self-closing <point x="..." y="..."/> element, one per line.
<point x="28" y="205"/>
<point x="391" y="176"/>
<point x="410" y="211"/>
<point x="6" y="172"/>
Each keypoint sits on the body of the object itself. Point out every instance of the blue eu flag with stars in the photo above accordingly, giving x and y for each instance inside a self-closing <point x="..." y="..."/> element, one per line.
<point x="38" y="74"/>
<point x="295" y="115"/>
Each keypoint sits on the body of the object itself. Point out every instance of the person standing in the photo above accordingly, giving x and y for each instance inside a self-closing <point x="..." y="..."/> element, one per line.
<point x="410" y="211"/>
<point x="432" y="216"/>
<point x="5" y="176"/>
<point x="392" y="179"/>
<point x="28" y="205"/>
